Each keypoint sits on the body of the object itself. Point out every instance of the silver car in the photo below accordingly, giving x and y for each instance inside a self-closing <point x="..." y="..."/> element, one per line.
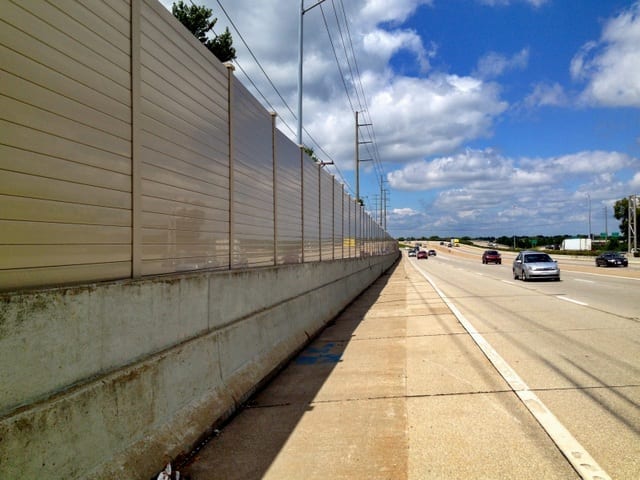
<point x="529" y="265"/>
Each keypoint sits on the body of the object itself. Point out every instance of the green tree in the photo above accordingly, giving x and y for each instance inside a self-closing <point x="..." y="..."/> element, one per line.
<point x="197" y="19"/>
<point x="621" y="212"/>
<point x="312" y="155"/>
<point x="613" y="244"/>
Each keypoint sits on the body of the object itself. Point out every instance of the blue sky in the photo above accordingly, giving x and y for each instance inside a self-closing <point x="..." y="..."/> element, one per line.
<point x="489" y="117"/>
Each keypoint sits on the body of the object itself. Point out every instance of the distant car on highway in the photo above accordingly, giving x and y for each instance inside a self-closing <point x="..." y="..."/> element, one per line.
<point x="432" y="253"/>
<point x="422" y="254"/>
<point x="491" y="256"/>
<point x="412" y="253"/>
<point x="529" y="265"/>
<point x="611" y="259"/>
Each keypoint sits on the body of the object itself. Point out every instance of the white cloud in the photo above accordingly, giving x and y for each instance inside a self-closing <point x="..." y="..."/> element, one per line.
<point x="404" y="212"/>
<point x="385" y="44"/>
<point x="420" y="116"/>
<point x="482" y="189"/>
<point x="470" y="166"/>
<point x="375" y="12"/>
<point x="434" y="115"/>
<point x="545" y="94"/>
<point x="413" y="117"/>
<point x="581" y="163"/>
<point x="495" y="3"/>
<point x="494" y="64"/>
<point x="611" y="66"/>
<point x="407" y="219"/>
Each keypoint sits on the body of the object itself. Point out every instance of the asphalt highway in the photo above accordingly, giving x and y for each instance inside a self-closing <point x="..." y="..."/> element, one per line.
<point x="576" y="342"/>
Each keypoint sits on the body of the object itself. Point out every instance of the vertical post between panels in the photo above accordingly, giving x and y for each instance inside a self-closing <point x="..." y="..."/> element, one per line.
<point x="319" y="212"/>
<point x="275" y="189"/>
<point x="333" y="218"/>
<point x="355" y="228"/>
<point x="351" y="236"/>
<point x="342" y="222"/>
<point x="230" y="69"/>
<point x="302" y="202"/>
<point x="136" y="159"/>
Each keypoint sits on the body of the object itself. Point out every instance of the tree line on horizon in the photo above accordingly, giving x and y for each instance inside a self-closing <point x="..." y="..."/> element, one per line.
<point x="620" y="211"/>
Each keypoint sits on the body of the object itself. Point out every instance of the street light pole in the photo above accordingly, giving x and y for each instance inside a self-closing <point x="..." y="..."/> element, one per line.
<point x="514" y="233"/>
<point x="300" y="35"/>
<point x="300" y="42"/>
<point x="589" y="198"/>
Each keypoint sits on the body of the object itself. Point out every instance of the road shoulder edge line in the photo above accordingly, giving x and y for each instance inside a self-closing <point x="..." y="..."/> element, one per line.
<point x="574" y="452"/>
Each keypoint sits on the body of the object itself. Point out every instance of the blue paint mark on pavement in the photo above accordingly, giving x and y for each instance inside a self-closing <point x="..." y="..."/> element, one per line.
<point x="315" y="356"/>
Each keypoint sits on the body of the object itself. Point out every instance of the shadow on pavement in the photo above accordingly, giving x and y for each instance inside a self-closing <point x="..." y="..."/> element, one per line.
<point x="251" y="441"/>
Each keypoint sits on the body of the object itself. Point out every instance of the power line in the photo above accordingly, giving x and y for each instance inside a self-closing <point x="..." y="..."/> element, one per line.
<point x="284" y="102"/>
<point x="356" y="81"/>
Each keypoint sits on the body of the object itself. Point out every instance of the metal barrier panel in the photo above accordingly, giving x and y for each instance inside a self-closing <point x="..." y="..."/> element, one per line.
<point x="65" y="144"/>
<point x="326" y="215"/>
<point x="357" y="226"/>
<point x="338" y="221"/>
<point x="311" y="209"/>
<point x="127" y="149"/>
<point x="288" y="200"/>
<point x="370" y="235"/>
<point x="184" y="149"/>
<point x="379" y="240"/>
<point x="366" y="239"/>
<point x="348" y="242"/>
<point x="252" y="181"/>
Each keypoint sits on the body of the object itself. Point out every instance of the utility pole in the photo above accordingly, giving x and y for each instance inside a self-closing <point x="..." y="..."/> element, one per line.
<point x="357" y="162"/>
<point x="358" y="143"/>
<point x="385" y="197"/>
<point x="377" y="202"/>
<point x="384" y="214"/>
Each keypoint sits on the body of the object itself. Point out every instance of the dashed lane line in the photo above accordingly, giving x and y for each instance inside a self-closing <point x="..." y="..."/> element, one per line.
<point x="567" y="299"/>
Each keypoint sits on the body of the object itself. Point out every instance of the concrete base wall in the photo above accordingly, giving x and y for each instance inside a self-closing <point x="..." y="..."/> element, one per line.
<point x="114" y="380"/>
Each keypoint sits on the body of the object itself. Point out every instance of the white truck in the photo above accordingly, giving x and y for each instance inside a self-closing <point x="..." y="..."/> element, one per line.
<point x="576" y="244"/>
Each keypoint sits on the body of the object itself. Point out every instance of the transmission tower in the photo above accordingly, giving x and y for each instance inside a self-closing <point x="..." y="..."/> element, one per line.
<point x="633" y="224"/>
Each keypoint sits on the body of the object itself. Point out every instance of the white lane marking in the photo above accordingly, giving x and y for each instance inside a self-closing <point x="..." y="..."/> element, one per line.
<point x="617" y="277"/>
<point x="567" y="299"/>
<point x="583" y="281"/>
<point x="580" y="459"/>
<point x="509" y="282"/>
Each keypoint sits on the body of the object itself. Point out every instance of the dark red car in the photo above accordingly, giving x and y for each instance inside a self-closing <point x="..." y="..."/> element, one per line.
<point x="422" y="254"/>
<point x="491" y="256"/>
